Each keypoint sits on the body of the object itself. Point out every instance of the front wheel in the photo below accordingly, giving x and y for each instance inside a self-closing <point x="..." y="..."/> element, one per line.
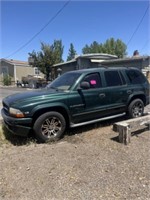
<point x="136" y="108"/>
<point x="49" y="127"/>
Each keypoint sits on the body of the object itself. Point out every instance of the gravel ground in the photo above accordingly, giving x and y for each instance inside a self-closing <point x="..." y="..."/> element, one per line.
<point x="92" y="165"/>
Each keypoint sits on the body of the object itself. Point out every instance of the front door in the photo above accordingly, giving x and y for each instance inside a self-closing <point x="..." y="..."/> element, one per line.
<point x="88" y="104"/>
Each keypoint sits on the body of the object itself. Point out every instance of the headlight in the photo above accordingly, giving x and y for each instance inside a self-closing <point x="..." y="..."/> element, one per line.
<point x="16" y="113"/>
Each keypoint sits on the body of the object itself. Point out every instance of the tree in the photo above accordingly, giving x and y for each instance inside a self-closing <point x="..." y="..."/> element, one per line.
<point x="47" y="57"/>
<point x="58" y="49"/>
<point x="7" y="79"/>
<point x="111" y="46"/>
<point x="86" y="49"/>
<point x="120" y="49"/>
<point x="72" y="52"/>
<point x="95" y="47"/>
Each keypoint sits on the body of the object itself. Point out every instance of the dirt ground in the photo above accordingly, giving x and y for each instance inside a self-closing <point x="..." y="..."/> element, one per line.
<point x="88" y="163"/>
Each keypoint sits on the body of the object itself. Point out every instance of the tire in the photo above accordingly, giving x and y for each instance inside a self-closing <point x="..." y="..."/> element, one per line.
<point x="49" y="127"/>
<point x="136" y="108"/>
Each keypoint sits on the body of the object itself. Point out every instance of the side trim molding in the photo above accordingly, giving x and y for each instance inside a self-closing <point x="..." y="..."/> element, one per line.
<point x="97" y="120"/>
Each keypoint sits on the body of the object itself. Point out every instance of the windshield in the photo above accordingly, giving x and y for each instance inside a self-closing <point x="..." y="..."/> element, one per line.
<point x="65" y="81"/>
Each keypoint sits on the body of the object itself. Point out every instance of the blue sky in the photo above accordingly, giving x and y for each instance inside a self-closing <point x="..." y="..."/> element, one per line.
<point x="80" y="23"/>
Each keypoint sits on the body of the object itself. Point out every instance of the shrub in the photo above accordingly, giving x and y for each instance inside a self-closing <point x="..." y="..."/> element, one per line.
<point x="7" y="80"/>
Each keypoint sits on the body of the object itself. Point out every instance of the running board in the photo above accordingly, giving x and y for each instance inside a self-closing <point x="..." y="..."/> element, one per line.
<point x="97" y="120"/>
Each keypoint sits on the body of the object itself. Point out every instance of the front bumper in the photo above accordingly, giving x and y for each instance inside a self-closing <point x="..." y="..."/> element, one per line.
<point x="18" y="126"/>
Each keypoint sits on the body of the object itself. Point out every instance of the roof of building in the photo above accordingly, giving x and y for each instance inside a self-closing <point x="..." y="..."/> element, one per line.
<point x="92" y="56"/>
<point x="97" y="56"/>
<point x="127" y="59"/>
<point x="15" y="62"/>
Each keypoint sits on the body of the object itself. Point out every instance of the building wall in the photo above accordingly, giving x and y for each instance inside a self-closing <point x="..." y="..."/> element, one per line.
<point x="137" y="64"/>
<point x="146" y="62"/>
<point x="16" y="72"/>
<point x="8" y="69"/>
<point x="133" y="62"/>
<point x="70" y="66"/>
<point x="65" y="67"/>
<point x="83" y="63"/>
<point x="23" y="71"/>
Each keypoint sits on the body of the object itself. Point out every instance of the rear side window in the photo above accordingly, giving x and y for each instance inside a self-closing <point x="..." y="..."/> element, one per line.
<point x="135" y="77"/>
<point x="113" y="78"/>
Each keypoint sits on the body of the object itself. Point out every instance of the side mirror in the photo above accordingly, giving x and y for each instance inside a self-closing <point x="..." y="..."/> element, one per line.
<point x="85" y="85"/>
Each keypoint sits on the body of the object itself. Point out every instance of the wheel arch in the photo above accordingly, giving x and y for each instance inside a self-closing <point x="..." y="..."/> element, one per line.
<point x="58" y="109"/>
<point x="138" y="96"/>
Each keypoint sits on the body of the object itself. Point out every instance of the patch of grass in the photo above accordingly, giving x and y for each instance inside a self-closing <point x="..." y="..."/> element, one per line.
<point x="2" y="136"/>
<point x="6" y="137"/>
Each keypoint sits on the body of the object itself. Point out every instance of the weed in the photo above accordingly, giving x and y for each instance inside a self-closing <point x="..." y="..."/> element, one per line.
<point x="8" y="138"/>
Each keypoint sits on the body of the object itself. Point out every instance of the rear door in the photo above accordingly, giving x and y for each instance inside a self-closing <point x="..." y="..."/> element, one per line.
<point x="116" y="90"/>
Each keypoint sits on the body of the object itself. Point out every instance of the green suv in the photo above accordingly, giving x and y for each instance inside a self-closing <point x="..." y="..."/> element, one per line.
<point x="76" y="98"/>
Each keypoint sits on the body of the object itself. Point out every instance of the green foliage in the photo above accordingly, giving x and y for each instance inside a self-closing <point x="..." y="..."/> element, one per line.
<point x="72" y="52"/>
<point x="7" y="80"/>
<point x="52" y="54"/>
<point x="58" y="51"/>
<point x="120" y="49"/>
<point x="47" y="57"/>
<point x="111" y="46"/>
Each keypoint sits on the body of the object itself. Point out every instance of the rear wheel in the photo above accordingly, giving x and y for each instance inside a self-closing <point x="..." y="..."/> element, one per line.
<point x="136" y="108"/>
<point x="49" y="127"/>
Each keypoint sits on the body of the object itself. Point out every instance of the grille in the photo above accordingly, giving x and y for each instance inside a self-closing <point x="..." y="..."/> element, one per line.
<point x="6" y="108"/>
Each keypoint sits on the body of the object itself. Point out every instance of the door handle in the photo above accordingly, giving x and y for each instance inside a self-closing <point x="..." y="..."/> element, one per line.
<point x="102" y="95"/>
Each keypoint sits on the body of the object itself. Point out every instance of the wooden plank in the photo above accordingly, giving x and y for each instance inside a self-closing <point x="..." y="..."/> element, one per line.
<point x="124" y="128"/>
<point x="124" y="134"/>
<point x="134" y="124"/>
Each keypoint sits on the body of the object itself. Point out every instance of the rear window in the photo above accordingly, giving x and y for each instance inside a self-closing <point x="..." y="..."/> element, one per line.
<point x="135" y="77"/>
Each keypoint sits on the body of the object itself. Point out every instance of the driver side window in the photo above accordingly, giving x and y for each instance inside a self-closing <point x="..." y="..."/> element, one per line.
<point x="94" y="80"/>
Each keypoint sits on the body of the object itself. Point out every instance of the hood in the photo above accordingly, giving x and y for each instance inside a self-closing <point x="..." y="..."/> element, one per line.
<point x="32" y="96"/>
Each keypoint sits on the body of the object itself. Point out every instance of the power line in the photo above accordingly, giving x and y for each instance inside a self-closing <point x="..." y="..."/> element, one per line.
<point x="145" y="45"/>
<point x="29" y="41"/>
<point x="138" y="25"/>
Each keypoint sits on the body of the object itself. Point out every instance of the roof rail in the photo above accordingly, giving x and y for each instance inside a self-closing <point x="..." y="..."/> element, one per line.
<point x="105" y="66"/>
